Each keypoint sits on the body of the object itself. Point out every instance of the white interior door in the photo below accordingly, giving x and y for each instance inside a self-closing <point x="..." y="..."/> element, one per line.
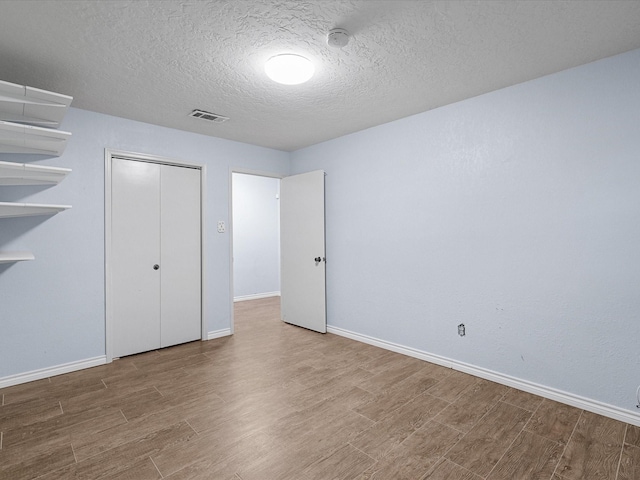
<point x="135" y="246"/>
<point x="180" y="271"/>
<point x="302" y="243"/>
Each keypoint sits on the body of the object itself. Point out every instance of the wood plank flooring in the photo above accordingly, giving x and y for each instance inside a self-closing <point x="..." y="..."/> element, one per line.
<point x="277" y="402"/>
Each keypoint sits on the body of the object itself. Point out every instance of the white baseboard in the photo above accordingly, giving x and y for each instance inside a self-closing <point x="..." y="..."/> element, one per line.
<point x="577" y="401"/>
<point x="74" y="366"/>
<point x="225" y="332"/>
<point x="255" y="296"/>
<point x="51" y="371"/>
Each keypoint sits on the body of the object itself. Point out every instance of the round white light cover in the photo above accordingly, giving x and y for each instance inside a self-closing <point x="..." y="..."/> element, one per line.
<point x="289" y="69"/>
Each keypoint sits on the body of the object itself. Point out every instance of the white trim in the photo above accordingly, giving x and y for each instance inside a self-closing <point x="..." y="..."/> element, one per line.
<point x="232" y="322"/>
<point x="255" y="296"/>
<point x="577" y="401"/>
<point x="143" y="157"/>
<point x="203" y="259"/>
<point x="108" y="328"/>
<point x="225" y="332"/>
<point x="51" y="371"/>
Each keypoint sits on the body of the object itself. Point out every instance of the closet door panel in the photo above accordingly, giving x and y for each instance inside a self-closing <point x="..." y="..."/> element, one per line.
<point x="180" y="264"/>
<point x="135" y="237"/>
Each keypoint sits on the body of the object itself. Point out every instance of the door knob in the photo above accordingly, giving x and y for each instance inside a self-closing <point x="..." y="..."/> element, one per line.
<point x="156" y="266"/>
<point x="318" y="260"/>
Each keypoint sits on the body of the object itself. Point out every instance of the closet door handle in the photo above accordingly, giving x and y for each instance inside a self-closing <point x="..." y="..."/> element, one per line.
<point x="156" y="267"/>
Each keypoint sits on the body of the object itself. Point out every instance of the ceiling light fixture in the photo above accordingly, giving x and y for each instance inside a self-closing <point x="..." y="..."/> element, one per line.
<point x="289" y="69"/>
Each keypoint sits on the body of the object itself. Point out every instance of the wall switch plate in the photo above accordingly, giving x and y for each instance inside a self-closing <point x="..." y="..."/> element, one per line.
<point x="221" y="227"/>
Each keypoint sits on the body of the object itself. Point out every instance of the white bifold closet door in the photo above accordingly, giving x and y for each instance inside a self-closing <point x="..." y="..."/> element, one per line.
<point x="156" y="255"/>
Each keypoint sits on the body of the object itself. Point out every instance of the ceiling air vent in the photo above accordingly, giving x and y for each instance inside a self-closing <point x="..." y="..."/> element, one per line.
<point x="208" y="116"/>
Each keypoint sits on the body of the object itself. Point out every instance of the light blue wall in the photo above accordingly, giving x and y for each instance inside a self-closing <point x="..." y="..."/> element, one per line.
<point x="52" y="310"/>
<point x="256" y="235"/>
<point x="516" y="212"/>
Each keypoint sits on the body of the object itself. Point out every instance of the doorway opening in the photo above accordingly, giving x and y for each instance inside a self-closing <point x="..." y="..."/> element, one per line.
<point x="255" y="239"/>
<point x="298" y="256"/>
<point x="256" y="236"/>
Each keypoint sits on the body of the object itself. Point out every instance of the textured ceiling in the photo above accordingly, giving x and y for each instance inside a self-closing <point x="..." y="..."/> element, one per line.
<point x="156" y="61"/>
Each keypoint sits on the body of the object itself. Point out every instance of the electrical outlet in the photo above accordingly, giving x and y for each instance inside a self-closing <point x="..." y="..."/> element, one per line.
<point x="461" y="330"/>
<point x="221" y="227"/>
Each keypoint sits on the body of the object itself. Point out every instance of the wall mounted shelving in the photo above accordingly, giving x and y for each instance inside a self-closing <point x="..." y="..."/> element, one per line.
<point x="12" y="257"/>
<point x="18" y="138"/>
<point x="28" y="119"/>
<point x="11" y="209"/>
<point x="26" y="174"/>
<point x="22" y="104"/>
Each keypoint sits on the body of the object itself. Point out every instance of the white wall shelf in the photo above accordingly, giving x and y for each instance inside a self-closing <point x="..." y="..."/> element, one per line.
<point x="25" y="174"/>
<point x="18" y="138"/>
<point x="28" y="119"/>
<point x="12" y="257"/>
<point x="22" y="104"/>
<point x="10" y="209"/>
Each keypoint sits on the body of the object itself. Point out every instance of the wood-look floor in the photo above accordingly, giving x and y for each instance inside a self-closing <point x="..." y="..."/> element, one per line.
<point x="279" y="402"/>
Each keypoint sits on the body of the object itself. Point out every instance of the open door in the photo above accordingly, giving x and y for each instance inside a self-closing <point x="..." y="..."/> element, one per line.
<point x="302" y="251"/>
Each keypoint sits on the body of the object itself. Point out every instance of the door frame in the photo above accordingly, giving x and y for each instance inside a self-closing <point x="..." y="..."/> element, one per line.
<point x="244" y="171"/>
<point x="148" y="158"/>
